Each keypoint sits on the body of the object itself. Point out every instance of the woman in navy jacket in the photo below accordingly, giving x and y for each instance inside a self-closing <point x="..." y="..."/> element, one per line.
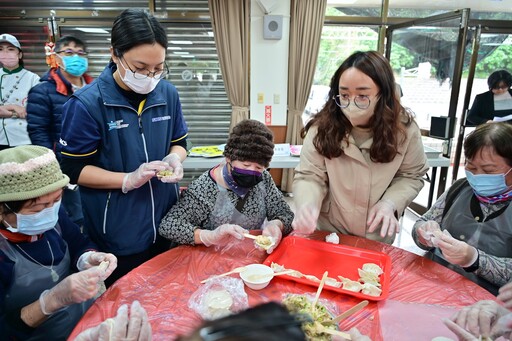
<point x="117" y="134"/>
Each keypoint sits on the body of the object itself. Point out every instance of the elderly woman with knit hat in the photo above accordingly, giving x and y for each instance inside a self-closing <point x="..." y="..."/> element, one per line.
<point x="41" y="293"/>
<point x="236" y="195"/>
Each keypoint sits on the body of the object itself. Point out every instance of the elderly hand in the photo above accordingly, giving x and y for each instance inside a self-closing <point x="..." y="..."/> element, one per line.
<point x="75" y="288"/>
<point x="18" y="110"/>
<point x="94" y="258"/>
<point x="383" y="214"/>
<point x="305" y="219"/>
<point x="174" y="162"/>
<point x="427" y="232"/>
<point x="479" y="319"/>
<point x="142" y="175"/>
<point x="134" y="327"/>
<point x="273" y="230"/>
<point x="222" y="235"/>
<point x="455" y="251"/>
<point x="505" y="295"/>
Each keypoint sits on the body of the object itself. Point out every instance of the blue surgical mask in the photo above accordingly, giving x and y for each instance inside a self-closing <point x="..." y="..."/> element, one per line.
<point x="75" y="65"/>
<point x="37" y="223"/>
<point x="488" y="185"/>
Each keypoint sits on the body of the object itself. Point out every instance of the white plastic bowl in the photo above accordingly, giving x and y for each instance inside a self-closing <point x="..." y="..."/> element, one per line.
<point x="257" y="276"/>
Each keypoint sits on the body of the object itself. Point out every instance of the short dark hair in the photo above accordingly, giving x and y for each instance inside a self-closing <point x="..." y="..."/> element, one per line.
<point x="250" y="141"/>
<point x="493" y="135"/>
<point x="135" y="27"/>
<point x="497" y="77"/>
<point x="66" y="40"/>
<point x="269" y="321"/>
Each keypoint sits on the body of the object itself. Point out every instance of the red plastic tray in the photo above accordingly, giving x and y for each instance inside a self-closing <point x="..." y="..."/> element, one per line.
<point x="313" y="257"/>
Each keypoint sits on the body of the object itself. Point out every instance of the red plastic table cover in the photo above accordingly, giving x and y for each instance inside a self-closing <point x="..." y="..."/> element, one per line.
<point x="421" y="291"/>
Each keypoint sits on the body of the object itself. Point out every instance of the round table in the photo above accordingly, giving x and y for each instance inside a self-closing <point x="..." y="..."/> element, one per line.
<point x="420" y="291"/>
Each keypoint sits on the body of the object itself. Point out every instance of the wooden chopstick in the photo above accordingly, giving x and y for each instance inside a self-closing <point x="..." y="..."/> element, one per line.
<point x="235" y="270"/>
<point x="350" y="311"/>
<point x="320" y="287"/>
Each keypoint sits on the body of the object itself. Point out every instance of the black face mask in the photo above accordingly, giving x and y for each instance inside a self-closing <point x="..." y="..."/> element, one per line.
<point x="246" y="178"/>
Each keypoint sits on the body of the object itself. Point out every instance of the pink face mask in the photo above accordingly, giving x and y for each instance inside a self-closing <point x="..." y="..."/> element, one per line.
<point x="9" y="60"/>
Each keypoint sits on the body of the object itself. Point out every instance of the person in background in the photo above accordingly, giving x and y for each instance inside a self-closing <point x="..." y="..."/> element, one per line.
<point x="362" y="159"/>
<point x="15" y="83"/>
<point x="45" y="101"/>
<point x="495" y="103"/>
<point x="469" y="228"/>
<point x="120" y="131"/>
<point x="42" y="296"/>
<point x="236" y="195"/>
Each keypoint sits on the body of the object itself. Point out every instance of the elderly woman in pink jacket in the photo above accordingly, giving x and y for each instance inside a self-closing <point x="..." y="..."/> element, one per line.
<point x="362" y="162"/>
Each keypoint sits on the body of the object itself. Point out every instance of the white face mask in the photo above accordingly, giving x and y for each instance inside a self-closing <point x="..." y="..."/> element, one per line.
<point x="359" y="117"/>
<point x="141" y="86"/>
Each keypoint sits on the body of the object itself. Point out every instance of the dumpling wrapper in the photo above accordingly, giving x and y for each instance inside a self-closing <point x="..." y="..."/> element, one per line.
<point x="371" y="290"/>
<point x="368" y="277"/>
<point x="312" y="278"/>
<point x="373" y="268"/>
<point x="333" y="282"/>
<point x="350" y="285"/>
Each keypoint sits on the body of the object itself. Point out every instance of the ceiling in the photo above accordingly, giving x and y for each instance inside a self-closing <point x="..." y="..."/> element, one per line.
<point x="475" y="5"/>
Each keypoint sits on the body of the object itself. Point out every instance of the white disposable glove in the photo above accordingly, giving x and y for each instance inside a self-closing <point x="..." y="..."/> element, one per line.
<point x="142" y="175"/>
<point x="136" y="327"/>
<point x="93" y="258"/>
<point x="383" y="214"/>
<point x="175" y="166"/>
<point x="505" y="295"/>
<point x="455" y="251"/>
<point x="427" y="232"/>
<point x="222" y="235"/>
<point x="75" y="288"/>
<point x="273" y="230"/>
<point x="479" y="319"/>
<point x="305" y="219"/>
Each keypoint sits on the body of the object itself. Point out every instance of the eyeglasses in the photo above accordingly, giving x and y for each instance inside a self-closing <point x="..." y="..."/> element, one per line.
<point x="70" y="53"/>
<point x="343" y="101"/>
<point x="144" y="73"/>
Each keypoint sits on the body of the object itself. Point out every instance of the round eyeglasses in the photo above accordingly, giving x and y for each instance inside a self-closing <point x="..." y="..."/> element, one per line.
<point x="143" y="73"/>
<point x="70" y="53"/>
<point x="361" y="101"/>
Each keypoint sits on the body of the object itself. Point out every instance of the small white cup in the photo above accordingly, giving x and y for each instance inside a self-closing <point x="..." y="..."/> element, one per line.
<point x="257" y="276"/>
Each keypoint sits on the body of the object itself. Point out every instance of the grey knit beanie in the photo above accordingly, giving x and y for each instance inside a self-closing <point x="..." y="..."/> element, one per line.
<point x="28" y="172"/>
<point x="250" y="141"/>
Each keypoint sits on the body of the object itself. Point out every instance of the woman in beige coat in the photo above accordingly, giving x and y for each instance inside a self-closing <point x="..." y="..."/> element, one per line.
<point x="362" y="162"/>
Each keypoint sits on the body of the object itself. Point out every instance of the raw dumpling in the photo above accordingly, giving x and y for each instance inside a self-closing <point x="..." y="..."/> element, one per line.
<point x="350" y="285"/>
<point x="373" y="268"/>
<point x="371" y="290"/>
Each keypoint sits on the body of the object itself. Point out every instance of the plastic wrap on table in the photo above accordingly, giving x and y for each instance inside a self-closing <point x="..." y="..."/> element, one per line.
<point x="424" y="321"/>
<point x="219" y="297"/>
<point x="164" y="285"/>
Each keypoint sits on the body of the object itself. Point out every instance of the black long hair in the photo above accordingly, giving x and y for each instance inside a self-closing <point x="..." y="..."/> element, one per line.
<point x="388" y="123"/>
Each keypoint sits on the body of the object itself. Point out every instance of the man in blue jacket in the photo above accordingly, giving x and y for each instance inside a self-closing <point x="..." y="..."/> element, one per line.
<point x="44" y="107"/>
